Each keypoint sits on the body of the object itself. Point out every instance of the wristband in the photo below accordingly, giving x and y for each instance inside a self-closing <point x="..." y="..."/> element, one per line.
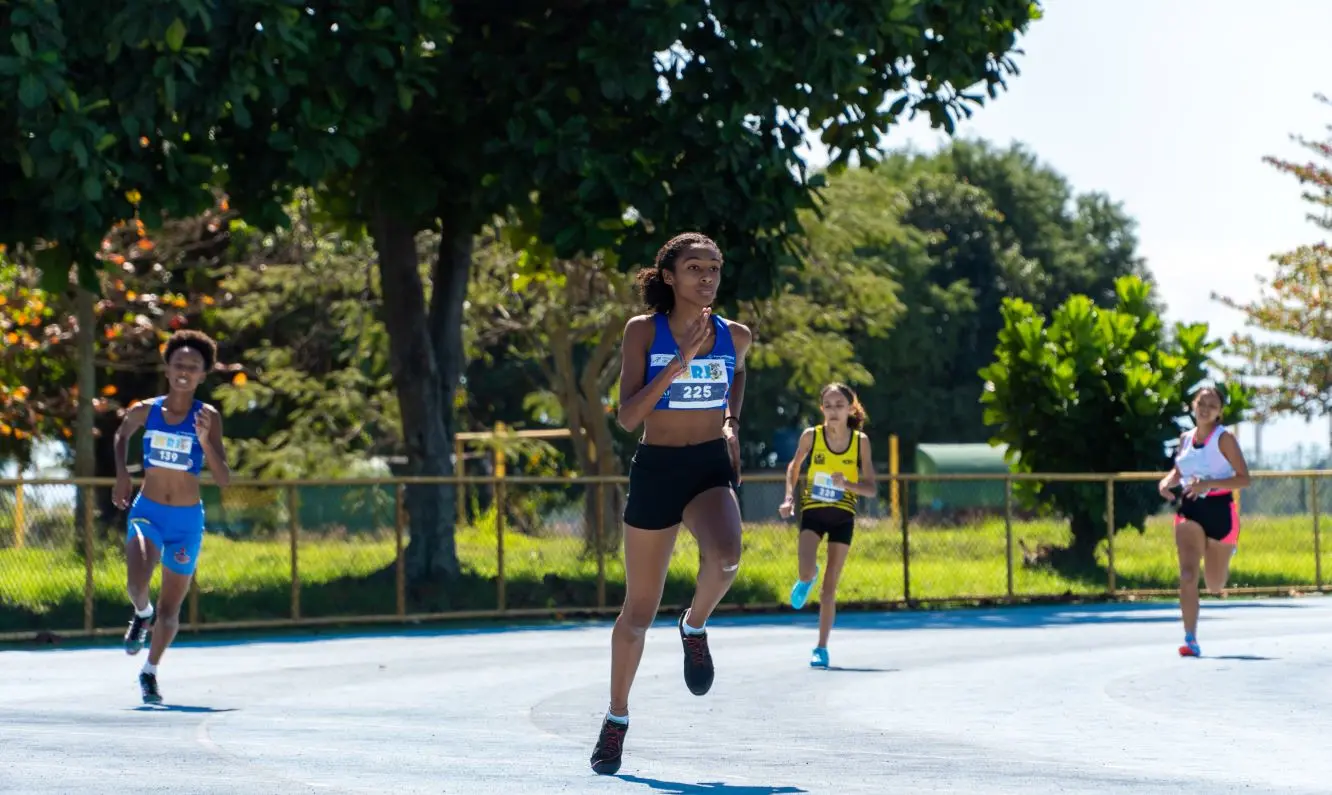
<point x="730" y="418"/>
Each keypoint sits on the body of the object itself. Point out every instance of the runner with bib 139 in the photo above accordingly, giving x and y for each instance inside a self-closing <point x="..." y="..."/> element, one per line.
<point x="840" y="471"/>
<point x="166" y="519"/>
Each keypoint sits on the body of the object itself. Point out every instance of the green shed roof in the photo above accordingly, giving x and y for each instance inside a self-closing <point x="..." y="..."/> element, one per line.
<point x="960" y="458"/>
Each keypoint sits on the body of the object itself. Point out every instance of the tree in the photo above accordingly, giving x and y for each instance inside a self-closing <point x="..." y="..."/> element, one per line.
<point x="601" y="146"/>
<point x="1296" y="304"/>
<point x="974" y="224"/>
<point x="1096" y="389"/>
<point x="301" y="307"/>
<point x="812" y="330"/>
<point x="153" y="285"/>
<point x="104" y="107"/>
<point x="604" y="128"/>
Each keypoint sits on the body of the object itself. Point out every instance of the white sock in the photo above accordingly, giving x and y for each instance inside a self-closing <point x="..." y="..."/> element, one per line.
<point x="688" y="630"/>
<point x="621" y="719"/>
<point x="149" y="668"/>
<point x="147" y="612"/>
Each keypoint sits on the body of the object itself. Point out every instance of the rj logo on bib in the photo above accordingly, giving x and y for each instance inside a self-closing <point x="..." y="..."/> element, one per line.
<point x="701" y="386"/>
<point x="171" y="450"/>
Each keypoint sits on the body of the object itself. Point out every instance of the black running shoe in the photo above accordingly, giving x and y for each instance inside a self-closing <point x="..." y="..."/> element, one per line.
<point x="610" y="745"/>
<point x="137" y="634"/>
<point x="148" y="685"/>
<point x="698" y="669"/>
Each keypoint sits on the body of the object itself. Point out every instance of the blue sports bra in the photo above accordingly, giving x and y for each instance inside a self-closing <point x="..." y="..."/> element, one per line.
<point x="168" y="446"/>
<point x="706" y="382"/>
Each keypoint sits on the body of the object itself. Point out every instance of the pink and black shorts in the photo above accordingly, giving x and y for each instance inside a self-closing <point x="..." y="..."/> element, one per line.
<point x="1216" y="512"/>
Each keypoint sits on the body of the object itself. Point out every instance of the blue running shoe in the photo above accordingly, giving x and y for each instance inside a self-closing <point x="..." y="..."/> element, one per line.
<point x="819" y="658"/>
<point x="1190" y="647"/>
<point x="800" y="591"/>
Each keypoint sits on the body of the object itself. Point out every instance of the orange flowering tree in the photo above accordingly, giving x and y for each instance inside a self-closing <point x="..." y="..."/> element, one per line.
<point x="1293" y="364"/>
<point x="150" y="286"/>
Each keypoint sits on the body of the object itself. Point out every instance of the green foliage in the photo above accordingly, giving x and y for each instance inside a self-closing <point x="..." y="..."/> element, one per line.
<point x="1294" y="366"/>
<point x="1095" y="389"/>
<point x="973" y="224"/>
<point x="704" y="134"/>
<point x="300" y="306"/>
<point x="101" y="101"/>
<point x="153" y="286"/>
<point x="844" y="291"/>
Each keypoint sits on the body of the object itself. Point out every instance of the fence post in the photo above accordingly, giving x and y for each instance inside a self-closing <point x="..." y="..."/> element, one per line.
<point x="294" y="530"/>
<point x="1318" y="544"/>
<point x="600" y="537"/>
<point x="499" y="527"/>
<point x="460" y="468"/>
<point x="893" y="465"/>
<point x="90" y="497"/>
<point x="1008" y="533"/>
<point x="1110" y="533"/>
<point x="20" y="524"/>
<point x="400" y="566"/>
<point x="906" y="542"/>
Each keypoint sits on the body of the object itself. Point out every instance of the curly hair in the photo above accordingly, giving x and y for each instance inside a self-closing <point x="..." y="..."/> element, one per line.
<point x="656" y="293"/>
<point x="196" y="341"/>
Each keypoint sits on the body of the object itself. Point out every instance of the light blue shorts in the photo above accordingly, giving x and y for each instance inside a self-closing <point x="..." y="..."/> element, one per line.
<point x="176" y="530"/>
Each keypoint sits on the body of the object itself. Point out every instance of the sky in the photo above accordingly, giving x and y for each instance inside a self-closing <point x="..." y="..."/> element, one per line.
<point x="1169" y="106"/>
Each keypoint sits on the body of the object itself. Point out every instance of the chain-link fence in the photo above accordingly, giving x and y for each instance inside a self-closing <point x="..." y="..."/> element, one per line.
<point x="325" y="552"/>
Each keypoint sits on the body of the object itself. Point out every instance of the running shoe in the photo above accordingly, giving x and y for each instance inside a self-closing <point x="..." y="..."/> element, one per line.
<point x="818" y="658"/>
<point x="148" y="686"/>
<point x="800" y="591"/>
<point x="137" y="634"/>
<point x="1190" y="647"/>
<point x="610" y="747"/>
<point x="698" y="670"/>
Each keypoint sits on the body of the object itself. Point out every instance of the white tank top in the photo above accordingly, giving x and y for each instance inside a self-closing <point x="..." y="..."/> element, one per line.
<point x="1203" y="463"/>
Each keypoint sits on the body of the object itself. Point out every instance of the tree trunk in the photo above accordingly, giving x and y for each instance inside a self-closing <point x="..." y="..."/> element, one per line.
<point x="1079" y="557"/>
<point x="597" y="437"/>
<point x="425" y="399"/>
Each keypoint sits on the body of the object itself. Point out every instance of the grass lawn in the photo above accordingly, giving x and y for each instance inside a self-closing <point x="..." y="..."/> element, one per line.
<point x="353" y="575"/>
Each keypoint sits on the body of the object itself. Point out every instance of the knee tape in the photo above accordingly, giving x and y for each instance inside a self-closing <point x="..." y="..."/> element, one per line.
<point x="731" y="568"/>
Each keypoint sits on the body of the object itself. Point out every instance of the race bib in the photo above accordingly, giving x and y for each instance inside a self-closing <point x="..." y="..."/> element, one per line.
<point x="823" y="489"/>
<point x="702" y="385"/>
<point x="170" y="450"/>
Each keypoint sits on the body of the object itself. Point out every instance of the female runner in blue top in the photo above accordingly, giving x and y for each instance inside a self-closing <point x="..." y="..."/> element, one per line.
<point x="166" y="521"/>
<point x="682" y="377"/>
<point x="1209" y="469"/>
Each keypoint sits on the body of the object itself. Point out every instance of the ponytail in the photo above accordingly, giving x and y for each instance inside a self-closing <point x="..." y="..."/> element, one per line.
<point x="656" y="293"/>
<point x="856" y="417"/>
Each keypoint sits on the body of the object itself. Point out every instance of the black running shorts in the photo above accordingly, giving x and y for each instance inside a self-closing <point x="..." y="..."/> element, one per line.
<point x="838" y="525"/>
<point x="1216" y="514"/>
<point x="663" y="480"/>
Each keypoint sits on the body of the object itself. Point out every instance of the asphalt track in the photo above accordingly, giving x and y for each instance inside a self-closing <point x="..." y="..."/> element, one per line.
<point x="1022" y="700"/>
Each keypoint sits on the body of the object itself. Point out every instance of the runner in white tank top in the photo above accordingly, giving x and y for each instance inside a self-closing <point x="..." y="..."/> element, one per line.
<point x="1209" y="468"/>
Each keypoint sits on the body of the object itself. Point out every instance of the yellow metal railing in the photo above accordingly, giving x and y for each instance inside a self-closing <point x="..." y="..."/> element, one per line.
<point x="308" y="552"/>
